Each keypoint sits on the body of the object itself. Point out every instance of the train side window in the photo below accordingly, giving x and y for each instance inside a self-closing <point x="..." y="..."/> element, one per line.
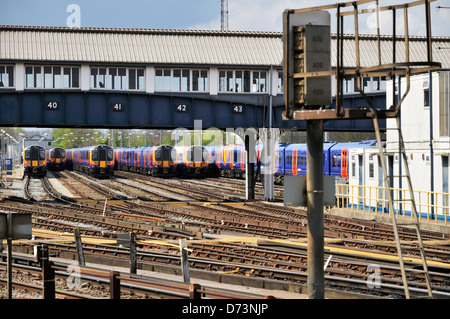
<point x="353" y="169"/>
<point x="371" y="167"/>
<point x="110" y="154"/>
<point x="94" y="155"/>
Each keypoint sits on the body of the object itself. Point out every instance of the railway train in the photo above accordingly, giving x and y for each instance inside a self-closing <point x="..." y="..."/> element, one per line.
<point x="229" y="160"/>
<point x="35" y="161"/>
<point x="56" y="159"/>
<point x="96" y="161"/>
<point x="163" y="160"/>
<point x="149" y="160"/>
<point x="192" y="161"/>
<point x="290" y="159"/>
<point x="207" y="161"/>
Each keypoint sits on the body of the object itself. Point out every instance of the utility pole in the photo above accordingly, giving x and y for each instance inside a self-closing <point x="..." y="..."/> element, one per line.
<point x="224" y="15"/>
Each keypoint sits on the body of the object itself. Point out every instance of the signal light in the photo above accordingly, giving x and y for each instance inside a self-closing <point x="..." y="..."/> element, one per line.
<point x="307" y="52"/>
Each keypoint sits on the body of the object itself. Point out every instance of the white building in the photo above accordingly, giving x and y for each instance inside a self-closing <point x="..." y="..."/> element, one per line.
<point x="425" y="125"/>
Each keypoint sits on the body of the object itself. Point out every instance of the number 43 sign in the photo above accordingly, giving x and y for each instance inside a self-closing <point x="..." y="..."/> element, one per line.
<point x="238" y="108"/>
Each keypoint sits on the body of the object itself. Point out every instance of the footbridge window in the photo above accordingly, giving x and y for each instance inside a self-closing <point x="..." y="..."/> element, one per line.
<point x="242" y="81"/>
<point x="182" y="80"/>
<point x="52" y="77"/>
<point x="118" y="78"/>
<point x="6" y="76"/>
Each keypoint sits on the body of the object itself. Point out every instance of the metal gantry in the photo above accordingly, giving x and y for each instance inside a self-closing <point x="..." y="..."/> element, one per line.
<point x="295" y="78"/>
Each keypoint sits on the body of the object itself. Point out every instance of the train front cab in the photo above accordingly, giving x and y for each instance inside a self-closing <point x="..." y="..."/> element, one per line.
<point x="102" y="161"/>
<point x="164" y="161"/>
<point x="196" y="161"/>
<point x="35" y="161"/>
<point x="56" y="159"/>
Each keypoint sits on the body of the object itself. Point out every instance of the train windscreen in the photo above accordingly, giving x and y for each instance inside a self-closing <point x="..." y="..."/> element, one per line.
<point x="57" y="153"/>
<point x="197" y="154"/>
<point x="110" y="154"/>
<point x="35" y="154"/>
<point x="164" y="153"/>
<point x="102" y="154"/>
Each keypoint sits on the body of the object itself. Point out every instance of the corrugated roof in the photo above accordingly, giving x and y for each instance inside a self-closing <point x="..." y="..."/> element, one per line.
<point x="368" y="50"/>
<point x="203" y="47"/>
<point x="139" y="46"/>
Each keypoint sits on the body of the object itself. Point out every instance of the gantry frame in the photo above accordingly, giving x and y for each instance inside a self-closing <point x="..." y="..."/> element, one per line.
<point x="391" y="70"/>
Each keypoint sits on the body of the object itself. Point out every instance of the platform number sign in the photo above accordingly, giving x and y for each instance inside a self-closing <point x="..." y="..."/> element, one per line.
<point x="237" y="108"/>
<point x="118" y="107"/>
<point x="181" y="107"/>
<point x="52" y="105"/>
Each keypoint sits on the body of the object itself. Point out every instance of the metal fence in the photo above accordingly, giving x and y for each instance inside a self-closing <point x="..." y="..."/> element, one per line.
<point x="430" y="206"/>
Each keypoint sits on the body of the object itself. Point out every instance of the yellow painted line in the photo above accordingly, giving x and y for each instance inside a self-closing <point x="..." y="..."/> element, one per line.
<point x="206" y="203"/>
<point x="250" y="240"/>
<point x="69" y="237"/>
<point x="161" y="243"/>
<point x="329" y="249"/>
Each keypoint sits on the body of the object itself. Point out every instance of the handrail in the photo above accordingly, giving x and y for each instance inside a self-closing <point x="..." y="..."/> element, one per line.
<point x="373" y="200"/>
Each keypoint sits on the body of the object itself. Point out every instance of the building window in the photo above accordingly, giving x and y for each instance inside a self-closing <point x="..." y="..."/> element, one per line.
<point x="136" y="79"/>
<point x="348" y="87"/>
<point x="48" y="77"/>
<point x="244" y="81"/>
<point x="226" y="81"/>
<point x="371" y="169"/>
<point x="163" y="80"/>
<point x="259" y="82"/>
<point x="117" y="78"/>
<point x="6" y="76"/>
<point x="200" y="80"/>
<point x="181" y="80"/>
<point x="98" y="78"/>
<point x="366" y="84"/>
<point x="379" y="83"/>
<point x="369" y="84"/>
<point x="280" y="82"/>
<point x="52" y="77"/>
<point x="426" y="97"/>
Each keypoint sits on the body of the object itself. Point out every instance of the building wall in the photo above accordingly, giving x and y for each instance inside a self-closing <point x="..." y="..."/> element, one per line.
<point x="416" y="119"/>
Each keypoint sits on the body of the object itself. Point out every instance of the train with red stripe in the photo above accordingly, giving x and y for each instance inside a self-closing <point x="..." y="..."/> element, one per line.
<point x="56" y="159"/>
<point x="35" y="161"/>
<point x="149" y="160"/>
<point x="289" y="159"/>
<point x="163" y="160"/>
<point x="96" y="161"/>
<point x="209" y="161"/>
<point x="192" y="161"/>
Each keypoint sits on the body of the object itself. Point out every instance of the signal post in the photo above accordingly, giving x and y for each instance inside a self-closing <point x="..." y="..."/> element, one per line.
<point x="307" y="82"/>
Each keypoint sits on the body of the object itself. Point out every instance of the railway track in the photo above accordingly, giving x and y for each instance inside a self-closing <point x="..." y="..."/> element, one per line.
<point x="165" y="220"/>
<point x="95" y="284"/>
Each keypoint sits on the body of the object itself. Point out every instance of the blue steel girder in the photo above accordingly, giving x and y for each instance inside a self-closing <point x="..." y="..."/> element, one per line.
<point x="123" y="110"/>
<point x="106" y="109"/>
